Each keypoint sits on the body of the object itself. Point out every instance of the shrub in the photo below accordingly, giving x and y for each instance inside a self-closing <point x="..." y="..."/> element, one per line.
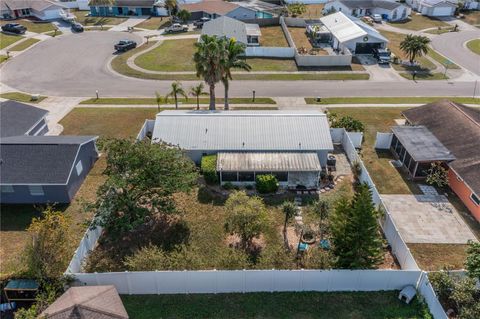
<point x="228" y="186"/>
<point x="266" y="183"/>
<point x="208" y="167"/>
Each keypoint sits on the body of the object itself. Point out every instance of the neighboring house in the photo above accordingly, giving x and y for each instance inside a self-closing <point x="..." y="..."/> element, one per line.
<point x="293" y="145"/>
<point x="389" y="10"/>
<point x="41" y="9"/>
<point x="457" y="128"/>
<point x="44" y="169"/>
<point x="127" y="8"/>
<point x="434" y="8"/>
<point x="95" y="302"/>
<point x="214" y="9"/>
<point x="353" y="34"/>
<point x="21" y="119"/>
<point x="245" y="33"/>
<point x="76" y="4"/>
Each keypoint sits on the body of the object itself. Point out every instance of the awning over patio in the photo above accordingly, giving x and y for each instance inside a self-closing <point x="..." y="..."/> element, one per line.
<point x="268" y="162"/>
<point x="421" y="144"/>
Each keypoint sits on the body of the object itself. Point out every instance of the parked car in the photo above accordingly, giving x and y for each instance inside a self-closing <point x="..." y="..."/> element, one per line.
<point x="200" y="22"/>
<point x="77" y="27"/>
<point x="377" y="18"/>
<point x="125" y="45"/>
<point x="14" y="28"/>
<point x="176" y="27"/>
<point x="383" y="56"/>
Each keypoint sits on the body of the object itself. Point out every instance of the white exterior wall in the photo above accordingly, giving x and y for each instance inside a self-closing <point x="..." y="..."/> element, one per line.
<point x="49" y="14"/>
<point x="442" y="11"/>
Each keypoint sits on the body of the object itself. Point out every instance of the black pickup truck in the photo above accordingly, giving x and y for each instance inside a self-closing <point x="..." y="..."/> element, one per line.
<point x="14" y="28"/>
<point x="125" y="45"/>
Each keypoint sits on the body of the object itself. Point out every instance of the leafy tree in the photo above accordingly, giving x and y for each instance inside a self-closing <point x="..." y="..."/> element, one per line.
<point x="246" y="217"/>
<point x="208" y="167"/>
<point x="158" y="98"/>
<point x="322" y="209"/>
<point x="266" y="183"/>
<point x="473" y="260"/>
<point x="437" y="175"/>
<point x="175" y="92"/>
<point x="27" y="313"/>
<point x="355" y="231"/>
<point x="296" y="9"/>
<point x="184" y="15"/>
<point x="289" y="209"/>
<point x="141" y="179"/>
<point x="50" y="251"/>
<point x="209" y="60"/>
<point x="349" y="123"/>
<point x="171" y="6"/>
<point x="234" y="60"/>
<point x="197" y="91"/>
<point x="414" y="46"/>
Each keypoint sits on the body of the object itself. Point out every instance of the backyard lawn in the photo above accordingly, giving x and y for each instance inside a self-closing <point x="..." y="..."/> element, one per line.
<point x="474" y="46"/>
<point x="300" y="38"/>
<point x="273" y="36"/>
<point x="419" y="22"/>
<point x="24" y="44"/>
<point x="305" y="305"/>
<point x="432" y="257"/>
<point x="154" y="23"/>
<point x="89" y="21"/>
<point x="8" y="39"/>
<point x="314" y="11"/>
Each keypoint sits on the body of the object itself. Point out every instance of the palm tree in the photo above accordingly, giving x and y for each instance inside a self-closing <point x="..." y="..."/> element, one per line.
<point x="184" y="15"/>
<point x="175" y="92"/>
<point x="209" y="61"/>
<point x="289" y="209"/>
<point x="321" y="209"/>
<point x="234" y="61"/>
<point x="158" y="98"/>
<point x="414" y="45"/>
<point x="196" y="91"/>
<point x="170" y="5"/>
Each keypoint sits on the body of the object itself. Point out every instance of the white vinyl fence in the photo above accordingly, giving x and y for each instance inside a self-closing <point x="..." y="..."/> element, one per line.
<point x="383" y="141"/>
<point x="426" y="290"/>
<point x="271" y="52"/>
<point x="242" y="281"/>
<point x="87" y="244"/>
<point x="146" y="128"/>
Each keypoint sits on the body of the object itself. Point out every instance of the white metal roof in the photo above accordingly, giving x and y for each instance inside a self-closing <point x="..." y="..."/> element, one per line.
<point x="268" y="162"/>
<point x="341" y="27"/>
<point x="244" y="130"/>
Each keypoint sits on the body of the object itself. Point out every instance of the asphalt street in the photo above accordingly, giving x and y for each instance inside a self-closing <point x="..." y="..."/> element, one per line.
<point x="76" y="65"/>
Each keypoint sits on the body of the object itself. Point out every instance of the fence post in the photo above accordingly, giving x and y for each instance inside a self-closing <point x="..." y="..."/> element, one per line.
<point x="127" y="274"/>
<point x="156" y="282"/>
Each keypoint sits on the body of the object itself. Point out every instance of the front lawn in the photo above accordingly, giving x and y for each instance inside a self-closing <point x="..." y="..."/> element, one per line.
<point x="82" y="18"/>
<point x="191" y="100"/>
<point x="425" y="76"/>
<point x="8" y="39"/>
<point x="472" y="17"/>
<point x="264" y="64"/>
<point x="21" y="97"/>
<point x="474" y="46"/>
<point x="306" y="305"/>
<point x="273" y="36"/>
<point x="154" y="23"/>
<point x="170" y="56"/>
<point x="37" y="27"/>
<point x="419" y="22"/>
<point x="389" y="180"/>
<point x="24" y="44"/>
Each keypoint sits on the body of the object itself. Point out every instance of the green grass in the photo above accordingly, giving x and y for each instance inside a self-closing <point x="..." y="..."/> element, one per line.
<point x="21" y="97"/>
<point x="152" y="101"/>
<point x="52" y="33"/>
<point x="171" y="55"/>
<point x="263" y="64"/>
<point x="37" y="27"/>
<point x="273" y="36"/>
<point x="389" y="100"/>
<point x="8" y="39"/>
<point x="419" y="22"/>
<point x="434" y="257"/>
<point x="439" y="31"/>
<point x="154" y="23"/>
<point x="97" y="28"/>
<point x="89" y="21"/>
<point x="3" y="58"/>
<point x="305" y="305"/>
<point x="474" y="46"/>
<point x="388" y="179"/>
<point x="442" y="60"/>
<point x="24" y="44"/>
<point x="425" y="76"/>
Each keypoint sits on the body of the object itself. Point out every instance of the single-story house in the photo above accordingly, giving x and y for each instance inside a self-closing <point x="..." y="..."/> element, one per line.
<point x="389" y="10"/>
<point x="76" y="4"/>
<point x="217" y="8"/>
<point x="21" y="119"/>
<point x="352" y="34"/>
<point x="457" y="127"/>
<point x="97" y="302"/>
<point x="41" y="9"/>
<point x="246" y="33"/>
<point x="127" y="8"/>
<point x="293" y="145"/>
<point x="44" y="169"/>
<point x="434" y="8"/>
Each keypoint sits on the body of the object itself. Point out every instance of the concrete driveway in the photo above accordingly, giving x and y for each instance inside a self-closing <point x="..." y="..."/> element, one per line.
<point x="451" y="45"/>
<point x="76" y="65"/>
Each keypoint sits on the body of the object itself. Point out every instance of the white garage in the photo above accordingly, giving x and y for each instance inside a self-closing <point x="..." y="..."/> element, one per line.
<point x="437" y="8"/>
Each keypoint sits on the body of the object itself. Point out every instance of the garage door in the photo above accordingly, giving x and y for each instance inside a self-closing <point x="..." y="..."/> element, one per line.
<point x="366" y="48"/>
<point x="442" y="11"/>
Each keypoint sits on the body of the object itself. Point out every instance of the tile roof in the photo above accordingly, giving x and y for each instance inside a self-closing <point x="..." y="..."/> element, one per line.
<point x="18" y="118"/>
<point x="458" y="128"/>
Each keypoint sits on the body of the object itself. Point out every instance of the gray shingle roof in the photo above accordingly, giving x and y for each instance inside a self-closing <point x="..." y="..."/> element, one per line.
<point x="366" y="4"/>
<point x="18" y="118"/>
<point x="244" y="130"/>
<point x="39" y="159"/>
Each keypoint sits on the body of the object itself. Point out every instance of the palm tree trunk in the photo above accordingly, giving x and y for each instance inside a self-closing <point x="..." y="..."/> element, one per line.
<point x="176" y="102"/>
<point x="225" y="85"/>
<point x="198" y="103"/>
<point x="212" y="97"/>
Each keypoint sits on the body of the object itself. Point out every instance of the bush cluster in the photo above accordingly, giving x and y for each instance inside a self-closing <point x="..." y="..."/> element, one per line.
<point x="266" y="184"/>
<point x="208" y="167"/>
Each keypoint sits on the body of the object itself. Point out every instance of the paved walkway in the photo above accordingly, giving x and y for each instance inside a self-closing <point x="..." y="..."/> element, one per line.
<point x="58" y="108"/>
<point x="129" y="23"/>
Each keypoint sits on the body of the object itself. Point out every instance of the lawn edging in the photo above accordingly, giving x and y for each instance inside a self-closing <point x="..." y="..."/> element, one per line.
<point x="152" y="101"/>
<point x="22" y="97"/>
<point x="389" y="100"/>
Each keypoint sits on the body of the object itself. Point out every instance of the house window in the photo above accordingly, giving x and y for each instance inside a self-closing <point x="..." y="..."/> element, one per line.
<point x="36" y="190"/>
<point x="79" y="168"/>
<point x="475" y="199"/>
<point x="7" y="189"/>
